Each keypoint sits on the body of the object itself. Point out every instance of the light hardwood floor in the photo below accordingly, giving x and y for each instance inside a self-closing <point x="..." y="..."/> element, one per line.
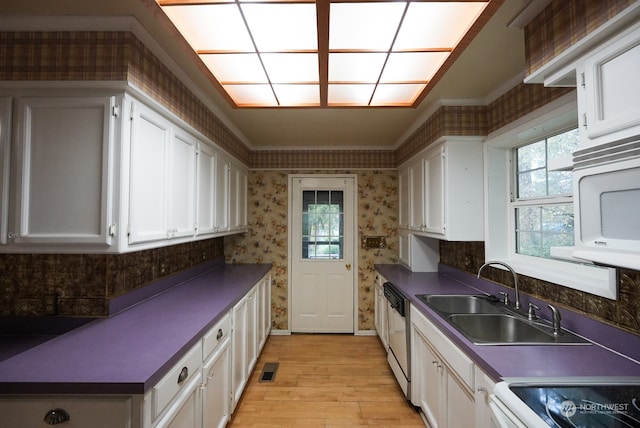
<point x="324" y="380"/>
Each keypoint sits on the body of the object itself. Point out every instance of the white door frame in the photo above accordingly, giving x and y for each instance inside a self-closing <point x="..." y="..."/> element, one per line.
<point x="354" y="244"/>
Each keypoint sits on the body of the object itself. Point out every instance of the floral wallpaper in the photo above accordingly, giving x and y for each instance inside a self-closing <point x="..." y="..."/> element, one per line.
<point x="267" y="238"/>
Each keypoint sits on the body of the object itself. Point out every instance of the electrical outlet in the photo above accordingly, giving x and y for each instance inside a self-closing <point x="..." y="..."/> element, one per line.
<point x="50" y="304"/>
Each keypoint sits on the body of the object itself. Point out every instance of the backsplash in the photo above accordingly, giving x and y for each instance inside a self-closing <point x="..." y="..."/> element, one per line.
<point x="82" y="284"/>
<point x="623" y="313"/>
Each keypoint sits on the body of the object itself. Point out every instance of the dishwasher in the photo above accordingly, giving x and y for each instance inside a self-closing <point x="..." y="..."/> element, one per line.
<point x="398" y="327"/>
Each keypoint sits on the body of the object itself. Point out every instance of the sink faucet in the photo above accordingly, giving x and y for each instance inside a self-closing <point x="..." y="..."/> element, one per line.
<point x="555" y="319"/>
<point x="515" y="277"/>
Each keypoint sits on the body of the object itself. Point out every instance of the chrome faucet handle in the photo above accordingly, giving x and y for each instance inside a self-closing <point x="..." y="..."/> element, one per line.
<point x="505" y="297"/>
<point x="532" y="311"/>
<point x="555" y="319"/>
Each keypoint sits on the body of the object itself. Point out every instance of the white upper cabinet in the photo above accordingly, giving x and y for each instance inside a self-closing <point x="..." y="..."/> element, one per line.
<point x="182" y="184"/>
<point x="222" y="194"/>
<point x="609" y="90"/>
<point x="95" y="172"/>
<point x="416" y="192"/>
<point x="237" y="197"/>
<point x="62" y="171"/>
<point x="403" y="198"/>
<point x="434" y="213"/>
<point x="5" y="162"/>
<point x="444" y="190"/>
<point x="604" y="66"/>
<point x="612" y="91"/>
<point x="206" y="191"/>
<point x="148" y="175"/>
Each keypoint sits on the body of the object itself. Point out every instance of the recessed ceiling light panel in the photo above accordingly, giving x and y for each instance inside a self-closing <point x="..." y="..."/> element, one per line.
<point x="301" y="53"/>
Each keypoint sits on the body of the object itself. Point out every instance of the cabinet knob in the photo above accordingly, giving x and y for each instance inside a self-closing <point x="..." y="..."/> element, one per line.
<point x="220" y="334"/>
<point x="184" y="374"/>
<point x="56" y="416"/>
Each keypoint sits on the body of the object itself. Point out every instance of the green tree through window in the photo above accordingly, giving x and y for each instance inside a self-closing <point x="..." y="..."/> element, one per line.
<point x="322" y="224"/>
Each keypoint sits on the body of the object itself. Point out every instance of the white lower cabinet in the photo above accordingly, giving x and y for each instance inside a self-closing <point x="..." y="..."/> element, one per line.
<point x="244" y="349"/>
<point x="216" y="388"/>
<point x="199" y="391"/>
<point x="264" y="311"/>
<point x="82" y="411"/>
<point x="442" y="377"/>
<point x="381" y="311"/>
<point x="484" y="388"/>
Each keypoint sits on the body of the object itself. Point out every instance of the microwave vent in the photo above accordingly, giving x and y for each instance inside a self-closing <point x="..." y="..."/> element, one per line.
<point x="607" y="153"/>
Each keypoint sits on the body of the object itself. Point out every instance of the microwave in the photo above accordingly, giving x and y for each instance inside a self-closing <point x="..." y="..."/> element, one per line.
<point x="607" y="200"/>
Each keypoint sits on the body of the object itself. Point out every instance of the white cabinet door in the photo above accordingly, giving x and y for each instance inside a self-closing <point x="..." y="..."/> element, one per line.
<point x="252" y="329"/>
<point x="63" y="170"/>
<point x="428" y="386"/>
<point x="434" y="191"/>
<point x="239" y="358"/>
<point x="182" y="185"/>
<point x="417" y="194"/>
<point x="237" y="197"/>
<point x="404" y="200"/>
<point x="381" y="312"/>
<point x="206" y="191"/>
<point x="484" y="388"/>
<point x="222" y="194"/>
<point x="453" y="190"/>
<point x="150" y="136"/>
<point x="460" y="404"/>
<point x="612" y="90"/>
<point x="264" y="311"/>
<point x="5" y="158"/>
<point x="216" y="391"/>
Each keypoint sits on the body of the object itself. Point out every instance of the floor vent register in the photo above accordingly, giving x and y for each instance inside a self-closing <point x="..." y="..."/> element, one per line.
<point x="269" y="372"/>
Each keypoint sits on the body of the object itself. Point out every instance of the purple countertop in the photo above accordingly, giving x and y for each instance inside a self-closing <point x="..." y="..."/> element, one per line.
<point x="614" y="352"/>
<point x="130" y="351"/>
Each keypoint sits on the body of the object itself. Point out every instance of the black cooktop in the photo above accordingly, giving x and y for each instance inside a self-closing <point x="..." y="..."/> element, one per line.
<point x="584" y="406"/>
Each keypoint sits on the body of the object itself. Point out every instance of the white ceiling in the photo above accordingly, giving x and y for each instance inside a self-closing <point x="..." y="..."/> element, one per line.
<point x="491" y="64"/>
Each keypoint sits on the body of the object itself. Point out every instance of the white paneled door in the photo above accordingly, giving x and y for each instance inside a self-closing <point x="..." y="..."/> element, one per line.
<point x="323" y="270"/>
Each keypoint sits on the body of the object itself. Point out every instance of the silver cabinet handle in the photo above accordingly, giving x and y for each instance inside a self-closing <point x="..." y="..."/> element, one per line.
<point x="184" y="374"/>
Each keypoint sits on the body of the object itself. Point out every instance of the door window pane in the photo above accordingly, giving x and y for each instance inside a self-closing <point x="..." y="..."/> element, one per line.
<point x="322" y="224"/>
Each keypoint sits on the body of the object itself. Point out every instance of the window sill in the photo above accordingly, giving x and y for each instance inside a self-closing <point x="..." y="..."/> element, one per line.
<point x="601" y="281"/>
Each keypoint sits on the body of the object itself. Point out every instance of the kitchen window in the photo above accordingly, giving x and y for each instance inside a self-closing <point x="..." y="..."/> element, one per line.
<point x="543" y="205"/>
<point x="528" y="199"/>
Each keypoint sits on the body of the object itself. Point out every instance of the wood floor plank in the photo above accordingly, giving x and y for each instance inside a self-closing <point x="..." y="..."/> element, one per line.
<point x="325" y="380"/>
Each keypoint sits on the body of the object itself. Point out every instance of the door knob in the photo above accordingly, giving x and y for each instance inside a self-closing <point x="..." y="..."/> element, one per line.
<point x="348" y="266"/>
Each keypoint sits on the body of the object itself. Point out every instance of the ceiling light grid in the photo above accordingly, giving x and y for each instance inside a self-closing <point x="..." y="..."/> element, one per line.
<point x="280" y="53"/>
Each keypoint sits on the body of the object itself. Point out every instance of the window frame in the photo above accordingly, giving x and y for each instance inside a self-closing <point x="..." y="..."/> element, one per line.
<point x="499" y="174"/>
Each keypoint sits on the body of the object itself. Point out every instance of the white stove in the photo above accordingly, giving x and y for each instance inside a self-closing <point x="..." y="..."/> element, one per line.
<point x="585" y="402"/>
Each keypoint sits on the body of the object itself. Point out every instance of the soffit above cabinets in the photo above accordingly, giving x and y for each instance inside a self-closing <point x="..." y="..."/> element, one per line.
<point x="301" y="53"/>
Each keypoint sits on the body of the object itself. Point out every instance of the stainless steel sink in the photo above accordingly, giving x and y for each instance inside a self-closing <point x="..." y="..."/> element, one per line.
<point x="460" y="304"/>
<point x="506" y="329"/>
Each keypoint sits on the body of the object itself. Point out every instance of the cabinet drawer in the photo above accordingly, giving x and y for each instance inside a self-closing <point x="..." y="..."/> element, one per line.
<point x="215" y="336"/>
<point x="98" y="412"/>
<point x="454" y="358"/>
<point x="176" y="379"/>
